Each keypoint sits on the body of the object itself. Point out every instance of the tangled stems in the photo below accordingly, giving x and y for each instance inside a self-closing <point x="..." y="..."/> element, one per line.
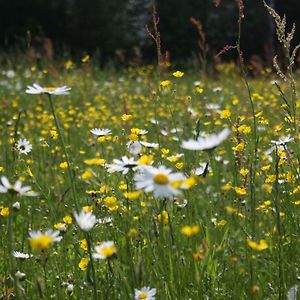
<point x="65" y="152"/>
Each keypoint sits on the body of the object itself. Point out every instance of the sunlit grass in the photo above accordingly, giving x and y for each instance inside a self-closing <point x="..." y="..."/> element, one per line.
<point x="206" y="239"/>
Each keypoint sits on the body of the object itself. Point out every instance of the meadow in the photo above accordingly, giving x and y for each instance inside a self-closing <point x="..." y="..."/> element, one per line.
<point x="147" y="184"/>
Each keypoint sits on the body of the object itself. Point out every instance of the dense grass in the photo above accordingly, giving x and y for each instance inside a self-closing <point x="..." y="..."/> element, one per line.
<point x="248" y="194"/>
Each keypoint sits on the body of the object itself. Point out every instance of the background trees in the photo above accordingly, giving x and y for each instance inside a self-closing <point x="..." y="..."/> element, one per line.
<point x="79" y="26"/>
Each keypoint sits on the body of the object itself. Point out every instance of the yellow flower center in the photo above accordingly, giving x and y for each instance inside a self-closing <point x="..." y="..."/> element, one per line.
<point x="49" y="89"/>
<point x="41" y="242"/>
<point x="108" y="251"/>
<point x="161" y="178"/>
<point x="143" y="295"/>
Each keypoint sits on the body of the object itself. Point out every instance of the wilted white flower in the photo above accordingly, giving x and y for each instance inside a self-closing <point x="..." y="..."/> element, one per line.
<point x="145" y="293"/>
<point x="17" y="188"/>
<point x="85" y="220"/>
<point x="207" y="143"/>
<point x="159" y="180"/>
<point x="37" y="89"/>
<point x="100" y="131"/>
<point x="23" y="146"/>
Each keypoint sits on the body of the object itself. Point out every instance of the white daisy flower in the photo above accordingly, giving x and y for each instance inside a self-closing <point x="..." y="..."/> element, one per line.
<point x="145" y="293"/>
<point x="159" y="180"/>
<point x="201" y="170"/>
<point x="149" y="145"/>
<point x="17" y="188"/>
<point x="23" y="146"/>
<point x="21" y="255"/>
<point x="105" y="250"/>
<point x="282" y="141"/>
<point x="42" y="240"/>
<point x="37" y="89"/>
<point x="85" y="220"/>
<point x="124" y="165"/>
<point x="100" y="131"/>
<point x="134" y="148"/>
<point x="207" y="143"/>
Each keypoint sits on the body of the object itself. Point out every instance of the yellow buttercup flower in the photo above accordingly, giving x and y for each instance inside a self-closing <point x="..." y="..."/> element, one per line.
<point x="190" y="230"/>
<point x="178" y="74"/>
<point x="83" y="264"/>
<point x="262" y="245"/>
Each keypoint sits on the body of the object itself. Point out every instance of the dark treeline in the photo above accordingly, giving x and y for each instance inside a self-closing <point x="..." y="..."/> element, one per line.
<point x="116" y="28"/>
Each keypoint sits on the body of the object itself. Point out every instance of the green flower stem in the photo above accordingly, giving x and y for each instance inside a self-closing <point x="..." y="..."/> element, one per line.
<point x="72" y="182"/>
<point x="10" y="245"/>
<point x="87" y="237"/>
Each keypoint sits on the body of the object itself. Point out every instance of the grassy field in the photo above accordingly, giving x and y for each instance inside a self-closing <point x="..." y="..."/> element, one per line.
<point x="225" y="227"/>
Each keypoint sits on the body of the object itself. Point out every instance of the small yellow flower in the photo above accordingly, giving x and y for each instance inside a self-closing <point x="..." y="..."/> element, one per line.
<point x="60" y="226"/>
<point x="87" y="208"/>
<point x="28" y="170"/>
<point x="68" y="220"/>
<point x="132" y="233"/>
<point x="133" y="137"/>
<point x="178" y="74"/>
<point x="262" y="245"/>
<point x="85" y="59"/>
<point x="111" y="203"/>
<point x="163" y="217"/>
<point x="179" y="165"/>
<point x="95" y="161"/>
<point x="244" y="129"/>
<point x="83" y="264"/>
<point x="88" y="174"/>
<point x="199" y="90"/>
<point x="4" y="212"/>
<point x="227" y="186"/>
<point x="69" y="65"/>
<point x="239" y="147"/>
<point x="190" y="230"/>
<point x="197" y="256"/>
<point x="225" y="114"/>
<point x="63" y="165"/>
<point x="267" y="188"/>
<point x="165" y="83"/>
<point x="132" y="195"/>
<point x="84" y="245"/>
<point x="244" y="172"/>
<point x="126" y="117"/>
<point x="230" y="209"/>
<point x="240" y="191"/>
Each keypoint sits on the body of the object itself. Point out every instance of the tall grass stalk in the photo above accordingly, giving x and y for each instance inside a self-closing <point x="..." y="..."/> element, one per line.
<point x="62" y="142"/>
